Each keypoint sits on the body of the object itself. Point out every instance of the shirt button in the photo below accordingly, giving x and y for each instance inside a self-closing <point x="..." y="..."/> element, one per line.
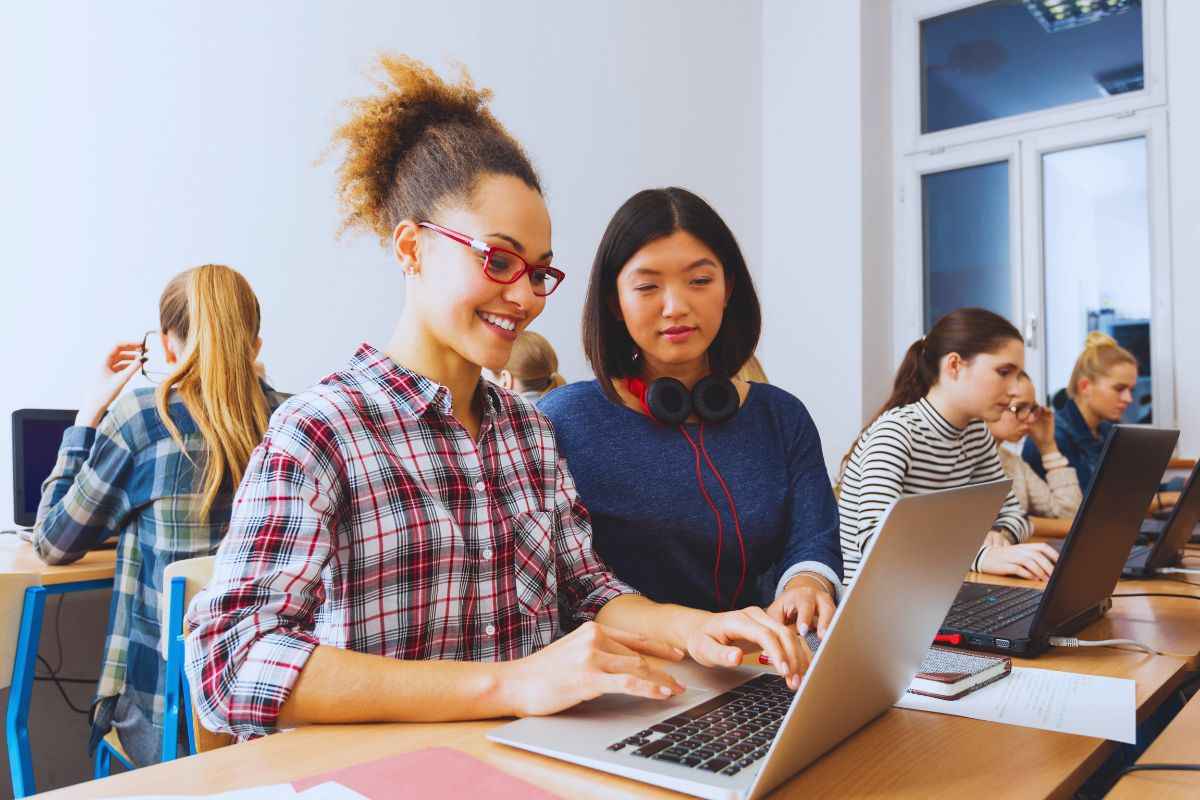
<point x="487" y="554"/>
<point x="491" y="630"/>
<point x="480" y="487"/>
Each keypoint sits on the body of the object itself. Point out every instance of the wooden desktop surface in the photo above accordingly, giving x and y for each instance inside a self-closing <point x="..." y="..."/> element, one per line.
<point x="17" y="556"/>
<point x="1178" y="744"/>
<point x="904" y="754"/>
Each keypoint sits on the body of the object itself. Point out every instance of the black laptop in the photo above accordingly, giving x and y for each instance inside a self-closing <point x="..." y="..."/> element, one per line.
<point x="1146" y="559"/>
<point x="1018" y="620"/>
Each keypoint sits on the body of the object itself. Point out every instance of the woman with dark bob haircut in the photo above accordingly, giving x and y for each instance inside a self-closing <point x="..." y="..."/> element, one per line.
<point x="704" y="489"/>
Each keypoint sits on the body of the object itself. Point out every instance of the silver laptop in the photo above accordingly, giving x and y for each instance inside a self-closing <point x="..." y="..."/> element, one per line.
<point x="739" y="733"/>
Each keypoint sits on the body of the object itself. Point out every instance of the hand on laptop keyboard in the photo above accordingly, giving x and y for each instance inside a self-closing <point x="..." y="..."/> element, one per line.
<point x="717" y="640"/>
<point x="590" y="661"/>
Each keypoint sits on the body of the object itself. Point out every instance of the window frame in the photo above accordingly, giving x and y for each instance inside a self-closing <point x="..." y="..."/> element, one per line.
<point x="906" y="33"/>
<point x="1023" y="139"/>
<point x="1153" y="126"/>
<point x="909" y="311"/>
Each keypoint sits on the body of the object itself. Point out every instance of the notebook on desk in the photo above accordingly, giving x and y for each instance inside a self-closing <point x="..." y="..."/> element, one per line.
<point x="1020" y="620"/>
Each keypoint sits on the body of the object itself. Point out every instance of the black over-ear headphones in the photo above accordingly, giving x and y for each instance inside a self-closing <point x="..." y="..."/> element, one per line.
<point x="668" y="401"/>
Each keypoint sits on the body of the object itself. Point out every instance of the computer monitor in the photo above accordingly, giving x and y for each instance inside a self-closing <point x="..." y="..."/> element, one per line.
<point x="36" y="436"/>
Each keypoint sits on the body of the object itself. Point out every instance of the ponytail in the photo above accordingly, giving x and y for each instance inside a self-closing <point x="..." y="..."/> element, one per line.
<point x="1100" y="354"/>
<point x="534" y="363"/>
<point x="966" y="331"/>
<point x="215" y="311"/>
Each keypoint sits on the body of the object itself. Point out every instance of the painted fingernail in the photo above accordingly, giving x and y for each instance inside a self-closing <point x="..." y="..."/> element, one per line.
<point x="665" y="691"/>
<point x="733" y="659"/>
<point x="803" y="629"/>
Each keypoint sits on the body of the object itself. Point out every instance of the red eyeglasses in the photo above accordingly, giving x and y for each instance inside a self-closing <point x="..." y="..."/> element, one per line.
<point x="505" y="266"/>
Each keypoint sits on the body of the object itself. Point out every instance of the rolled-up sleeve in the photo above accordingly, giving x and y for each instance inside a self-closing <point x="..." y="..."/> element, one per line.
<point x="252" y="628"/>
<point x="585" y="582"/>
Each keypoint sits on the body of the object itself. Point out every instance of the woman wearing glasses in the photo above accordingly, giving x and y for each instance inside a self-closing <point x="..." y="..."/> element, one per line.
<point x="1049" y="503"/>
<point x="407" y="532"/>
<point x="158" y="470"/>
<point x="932" y="434"/>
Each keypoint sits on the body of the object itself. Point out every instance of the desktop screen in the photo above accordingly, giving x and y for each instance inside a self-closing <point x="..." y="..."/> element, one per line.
<point x="37" y="442"/>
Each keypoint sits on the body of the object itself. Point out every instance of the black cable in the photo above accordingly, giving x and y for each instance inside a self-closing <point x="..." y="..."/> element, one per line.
<point x="54" y="676"/>
<point x="1157" y="594"/>
<point x="62" y="690"/>
<point x="1158" y="768"/>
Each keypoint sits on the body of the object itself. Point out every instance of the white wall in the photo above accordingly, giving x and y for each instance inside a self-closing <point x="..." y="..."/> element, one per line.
<point x="1183" y="64"/>
<point x="140" y="139"/>
<point x="813" y="167"/>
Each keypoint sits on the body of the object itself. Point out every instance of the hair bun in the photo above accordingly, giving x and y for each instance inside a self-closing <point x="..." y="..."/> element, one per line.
<point x="1098" y="339"/>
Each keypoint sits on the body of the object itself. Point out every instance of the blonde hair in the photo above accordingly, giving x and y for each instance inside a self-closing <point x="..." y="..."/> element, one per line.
<point x="1100" y="354"/>
<point x="534" y="363"/>
<point x="213" y="309"/>
<point x="752" y="371"/>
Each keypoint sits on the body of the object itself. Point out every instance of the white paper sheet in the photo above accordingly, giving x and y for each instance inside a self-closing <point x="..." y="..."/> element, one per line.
<point x="1067" y="702"/>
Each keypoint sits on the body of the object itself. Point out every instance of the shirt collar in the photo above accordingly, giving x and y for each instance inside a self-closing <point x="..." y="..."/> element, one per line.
<point x="939" y="423"/>
<point x="412" y="391"/>
<point x="1076" y="426"/>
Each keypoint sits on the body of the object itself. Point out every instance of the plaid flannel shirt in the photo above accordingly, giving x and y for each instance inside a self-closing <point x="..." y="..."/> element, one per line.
<point x="369" y="520"/>
<point x="129" y="477"/>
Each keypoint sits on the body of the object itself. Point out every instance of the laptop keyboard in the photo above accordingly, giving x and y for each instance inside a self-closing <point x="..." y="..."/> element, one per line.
<point x="725" y="734"/>
<point x="1000" y="607"/>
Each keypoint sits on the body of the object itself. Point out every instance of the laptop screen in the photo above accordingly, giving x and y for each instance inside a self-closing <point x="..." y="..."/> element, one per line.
<point x="1090" y="563"/>
<point x="1179" y="526"/>
<point x="37" y="434"/>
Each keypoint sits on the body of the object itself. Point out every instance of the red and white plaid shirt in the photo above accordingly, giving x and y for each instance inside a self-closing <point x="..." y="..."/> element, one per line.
<point x="368" y="519"/>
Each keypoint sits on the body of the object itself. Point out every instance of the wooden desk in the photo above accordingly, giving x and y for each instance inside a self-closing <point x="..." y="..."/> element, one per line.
<point x="92" y="572"/>
<point x="902" y="754"/>
<point x="17" y="556"/>
<point x="1178" y="744"/>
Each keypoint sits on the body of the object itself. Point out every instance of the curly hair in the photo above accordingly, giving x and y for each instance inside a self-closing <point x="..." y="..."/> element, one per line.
<point x="417" y="143"/>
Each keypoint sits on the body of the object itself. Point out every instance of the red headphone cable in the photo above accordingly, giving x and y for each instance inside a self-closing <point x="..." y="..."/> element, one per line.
<point x="716" y="515"/>
<point x="737" y="525"/>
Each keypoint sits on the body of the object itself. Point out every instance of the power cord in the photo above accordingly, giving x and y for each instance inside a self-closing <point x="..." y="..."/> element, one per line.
<point x="58" y="683"/>
<point x="1158" y="768"/>
<point x="54" y="676"/>
<point x="1070" y="641"/>
<point x="1177" y="571"/>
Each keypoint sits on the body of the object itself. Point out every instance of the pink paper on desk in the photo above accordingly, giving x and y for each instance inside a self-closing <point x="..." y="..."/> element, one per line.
<point x="438" y="772"/>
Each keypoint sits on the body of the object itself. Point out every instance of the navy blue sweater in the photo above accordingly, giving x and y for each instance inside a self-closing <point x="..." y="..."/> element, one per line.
<point x="650" y="522"/>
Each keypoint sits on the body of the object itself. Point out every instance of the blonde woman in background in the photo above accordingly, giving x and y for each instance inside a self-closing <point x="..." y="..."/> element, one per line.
<point x="1100" y="389"/>
<point x="157" y="467"/>
<point x="752" y="371"/>
<point x="532" y="369"/>
<point x="1049" y="504"/>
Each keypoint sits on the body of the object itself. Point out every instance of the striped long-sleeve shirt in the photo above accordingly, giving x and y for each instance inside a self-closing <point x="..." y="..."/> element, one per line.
<point x="914" y="450"/>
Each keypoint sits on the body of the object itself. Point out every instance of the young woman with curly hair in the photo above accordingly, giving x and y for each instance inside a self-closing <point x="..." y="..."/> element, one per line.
<point x="406" y="533"/>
